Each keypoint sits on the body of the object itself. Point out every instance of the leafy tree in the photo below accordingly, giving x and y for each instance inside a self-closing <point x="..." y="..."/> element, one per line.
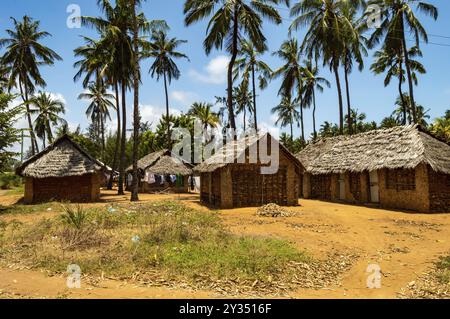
<point x="287" y="113"/>
<point x="8" y="133"/>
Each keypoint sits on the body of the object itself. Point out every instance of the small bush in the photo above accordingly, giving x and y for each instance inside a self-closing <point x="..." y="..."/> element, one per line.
<point x="74" y="217"/>
<point x="443" y="267"/>
<point x="9" y="181"/>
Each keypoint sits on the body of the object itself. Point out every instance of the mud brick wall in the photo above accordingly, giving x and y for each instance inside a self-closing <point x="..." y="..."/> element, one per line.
<point x="439" y="191"/>
<point x="204" y="187"/>
<point x="321" y="186"/>
<point x="84" y="188"/>
<point x="402" y="196"/>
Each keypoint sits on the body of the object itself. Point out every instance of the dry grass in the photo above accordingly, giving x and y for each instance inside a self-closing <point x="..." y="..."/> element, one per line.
<point x="161" y="242"/>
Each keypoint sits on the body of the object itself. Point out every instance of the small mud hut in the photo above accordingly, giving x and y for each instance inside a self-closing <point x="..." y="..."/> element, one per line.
<point x="234" y="175"/>
<point x="161" y="171"/>
<point x="63" y="171"/>
<point x="401" y="168"/>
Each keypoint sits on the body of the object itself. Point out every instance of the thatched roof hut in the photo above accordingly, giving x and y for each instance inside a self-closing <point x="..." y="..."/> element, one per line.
<point x="62" y="171"/>
<point x="233" y="176"/>
<point x="403" y="157"/>
<point x="162" y="163"/>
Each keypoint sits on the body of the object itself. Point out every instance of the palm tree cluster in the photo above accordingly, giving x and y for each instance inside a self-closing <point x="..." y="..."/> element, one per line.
<point x="108" y="65"/>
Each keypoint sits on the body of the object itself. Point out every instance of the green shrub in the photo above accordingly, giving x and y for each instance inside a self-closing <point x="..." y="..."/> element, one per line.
<point x="10" y="180"/>
<point x="74" y="216"/>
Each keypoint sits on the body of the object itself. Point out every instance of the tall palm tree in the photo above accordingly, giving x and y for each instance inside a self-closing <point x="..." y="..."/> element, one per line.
<point x="249" y="64"/>
<point x="243" y="99"/>
<point x="287" y="113"/>
<point x="163" y="50"/>
<point x="98" y="109"/>
<point x="391" y="62"/>
<point x="47" y="112"/>
<point x="231" y="20"/>
<point x="398" y="19"/>
<point x="325" y="36"/>
<point x="354" y="48"/>
<point x="405" y="103"/>
<point x="312" y="82"/>
<point x="117" y="32"/>
<point x="208" y="119"/>
<point x="291" y="74"/>
<point x="24" y="55"/>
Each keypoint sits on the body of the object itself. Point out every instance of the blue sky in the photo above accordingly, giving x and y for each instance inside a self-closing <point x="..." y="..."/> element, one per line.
<point x="203" y="77"/>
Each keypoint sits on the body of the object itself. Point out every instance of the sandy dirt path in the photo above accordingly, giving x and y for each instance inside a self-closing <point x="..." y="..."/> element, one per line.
<point x="403" y="244"/>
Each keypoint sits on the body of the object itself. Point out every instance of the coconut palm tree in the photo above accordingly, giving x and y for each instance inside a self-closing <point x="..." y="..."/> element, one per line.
<point x="101" y="60"/>
<point x="326" y="35"/>
<point x="291" y="74"/>
<point x="116" y="29"/>
<point x="405" y="103"/>
<point x="24" y="55"/>
<point x="204" y="113"/>
<point x="287" y="113"/>
<point x="98" y="109"/>
<point x="248" y="65"/>
<point x="398" y="19"/>
<point x="391" y="63"/>
<point x="47" y="110"/>
<point x="312" y="82"/>
<point x="163" y="50"/>
<point x="441" y="127"/>
<point x="231" y="20"/>
<point x="243" y="99"/>
<point x="354" y="48"/>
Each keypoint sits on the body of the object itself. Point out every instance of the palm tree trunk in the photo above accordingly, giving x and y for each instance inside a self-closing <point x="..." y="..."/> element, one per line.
<point x="49" y="134"/>
<point x="116" y="147"/>
<point x="234" y="53"/>
<point x="292" y="130"/>
<point x="341" y="111"/>
<point x="169" y="146"/>
<point x="122" y="141"/>
<point x="408" y="71"/>
<point x="301" y="122"/>
<point x="245" y="113"/>
<point x="314" y="114"/>
<point x="102" y="123"/>
<point x="34" y="146"/>
<point x="254" y="99"/>
<point x="400" y="91"/>
<point x="136" y="118"/>
<point x="43" y="139"/>
<point x="349" y="108"/>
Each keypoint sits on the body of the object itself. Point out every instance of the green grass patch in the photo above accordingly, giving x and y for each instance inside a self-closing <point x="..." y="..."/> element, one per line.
<point x="165" y="238"/>
<point x="443" y="267"/>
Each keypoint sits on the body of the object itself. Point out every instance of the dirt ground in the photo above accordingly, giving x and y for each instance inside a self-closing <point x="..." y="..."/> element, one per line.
<point x="403" y="244"/>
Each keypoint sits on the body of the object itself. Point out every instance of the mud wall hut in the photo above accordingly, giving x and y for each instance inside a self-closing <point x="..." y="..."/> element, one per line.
<point x="401" y="168"/>
<point x="233" y="176"/>
<point x="63" y="171"/>
<point x="161" y="171"/>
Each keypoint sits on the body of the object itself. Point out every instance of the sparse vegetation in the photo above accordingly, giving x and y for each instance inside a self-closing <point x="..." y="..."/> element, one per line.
<point x="157" y="242"/>
<point x="443" y="270"/>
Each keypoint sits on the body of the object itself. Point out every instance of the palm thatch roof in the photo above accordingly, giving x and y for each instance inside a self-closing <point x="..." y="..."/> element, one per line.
<point x="234" y="151"/>
<point x="163" y="163"/>
<point x="63" y="158"/>
<point x="398" y="147"/>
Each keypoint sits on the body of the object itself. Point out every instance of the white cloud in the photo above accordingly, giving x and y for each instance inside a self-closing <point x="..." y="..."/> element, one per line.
<point x="152" y="114"/>
<point x="184" y="97"/>
<point x="215" y="71"/>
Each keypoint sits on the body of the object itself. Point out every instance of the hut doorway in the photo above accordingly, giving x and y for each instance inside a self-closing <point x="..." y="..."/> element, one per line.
<point x="374" y="187"/>
<point x="341" y="187"/>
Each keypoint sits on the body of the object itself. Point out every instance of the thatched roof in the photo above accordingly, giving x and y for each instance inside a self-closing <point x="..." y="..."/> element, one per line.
<point x="234" y="151"/>
<point x="61" y="159"/>
<point x="398" y="147"/>
<point x="163" y="163"/>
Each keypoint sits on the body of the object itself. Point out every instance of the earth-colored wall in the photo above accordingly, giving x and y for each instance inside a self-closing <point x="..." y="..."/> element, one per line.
<point x="85" y="188"/>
